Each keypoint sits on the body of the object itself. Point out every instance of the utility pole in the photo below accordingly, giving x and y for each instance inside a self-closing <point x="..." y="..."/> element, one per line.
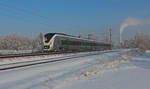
<point x="110" y="37"/>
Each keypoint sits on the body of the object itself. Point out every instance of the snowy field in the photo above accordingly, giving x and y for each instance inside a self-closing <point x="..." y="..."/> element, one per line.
<point x="111" y="70"/>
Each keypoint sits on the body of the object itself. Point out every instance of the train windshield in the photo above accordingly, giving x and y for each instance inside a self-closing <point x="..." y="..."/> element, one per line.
<point x="48" y="37"/>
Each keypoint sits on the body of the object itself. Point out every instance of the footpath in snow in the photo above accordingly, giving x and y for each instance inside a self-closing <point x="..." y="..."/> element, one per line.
<point x="112" y="70"/>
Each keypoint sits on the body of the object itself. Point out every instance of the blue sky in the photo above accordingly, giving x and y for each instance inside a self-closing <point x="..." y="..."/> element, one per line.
<point x="29" y="17"/>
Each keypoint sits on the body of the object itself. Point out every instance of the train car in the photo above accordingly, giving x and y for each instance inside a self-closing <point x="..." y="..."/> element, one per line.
<point x="63" y="42"/>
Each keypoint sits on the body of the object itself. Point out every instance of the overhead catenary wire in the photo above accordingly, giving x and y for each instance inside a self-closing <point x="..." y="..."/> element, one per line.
<point x="13" y="8"/>
<point x="44" y="20"/>
<point x="24" y="10"/>
<point x="23" y="20"/>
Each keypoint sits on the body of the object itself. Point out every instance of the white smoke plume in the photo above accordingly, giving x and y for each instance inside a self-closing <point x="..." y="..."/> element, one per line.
<point x="132" y="22"/>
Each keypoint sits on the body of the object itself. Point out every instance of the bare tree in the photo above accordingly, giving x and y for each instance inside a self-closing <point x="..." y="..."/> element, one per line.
<point x="140" y="40"/>
<point x="38" y="42"/>
<point x="93" y="36"/>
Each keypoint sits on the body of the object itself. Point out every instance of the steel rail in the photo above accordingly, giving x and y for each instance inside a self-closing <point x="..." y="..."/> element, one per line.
<point x="26" y="54"/>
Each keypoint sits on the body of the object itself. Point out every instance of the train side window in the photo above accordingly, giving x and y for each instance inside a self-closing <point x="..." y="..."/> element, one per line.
<point x="64" y="42"/>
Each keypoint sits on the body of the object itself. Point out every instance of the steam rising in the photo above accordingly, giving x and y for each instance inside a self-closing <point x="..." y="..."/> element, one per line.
<point x="132" y="22"/>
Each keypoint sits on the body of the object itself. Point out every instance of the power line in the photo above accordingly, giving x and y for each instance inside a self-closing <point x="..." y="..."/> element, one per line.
<point x="24" y="10"/>
<point x="32" y="13"/>
<point x="21" y="19"/>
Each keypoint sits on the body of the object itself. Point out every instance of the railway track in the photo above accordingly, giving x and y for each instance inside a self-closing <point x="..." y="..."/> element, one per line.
<point x="31" y="54"/>
<point x="18" y="65"/>
<point x="28" y="54"/>
<point x="24" y="64"/>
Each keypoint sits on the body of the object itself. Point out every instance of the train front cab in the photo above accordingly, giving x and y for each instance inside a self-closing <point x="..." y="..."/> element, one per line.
<point x="48" y="42"/>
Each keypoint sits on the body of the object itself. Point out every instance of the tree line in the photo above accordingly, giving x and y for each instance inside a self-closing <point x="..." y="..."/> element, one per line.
<point x="18" y="42"/>
<point x="140" y="40"/>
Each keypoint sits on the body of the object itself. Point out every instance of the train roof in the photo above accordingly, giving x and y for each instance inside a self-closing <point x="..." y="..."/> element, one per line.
<point x="59" y="34"/>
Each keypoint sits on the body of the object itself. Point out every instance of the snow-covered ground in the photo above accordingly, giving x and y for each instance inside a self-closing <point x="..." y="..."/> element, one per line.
<point x="133" y="74"/>
<point x="112" y="70"/>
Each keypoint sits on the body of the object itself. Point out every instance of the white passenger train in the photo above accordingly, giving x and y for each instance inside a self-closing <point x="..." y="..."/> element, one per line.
<point x="62" y="42"/>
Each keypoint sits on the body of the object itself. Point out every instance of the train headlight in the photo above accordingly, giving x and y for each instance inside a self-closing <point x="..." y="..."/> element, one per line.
<point x="46" y="47"/>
